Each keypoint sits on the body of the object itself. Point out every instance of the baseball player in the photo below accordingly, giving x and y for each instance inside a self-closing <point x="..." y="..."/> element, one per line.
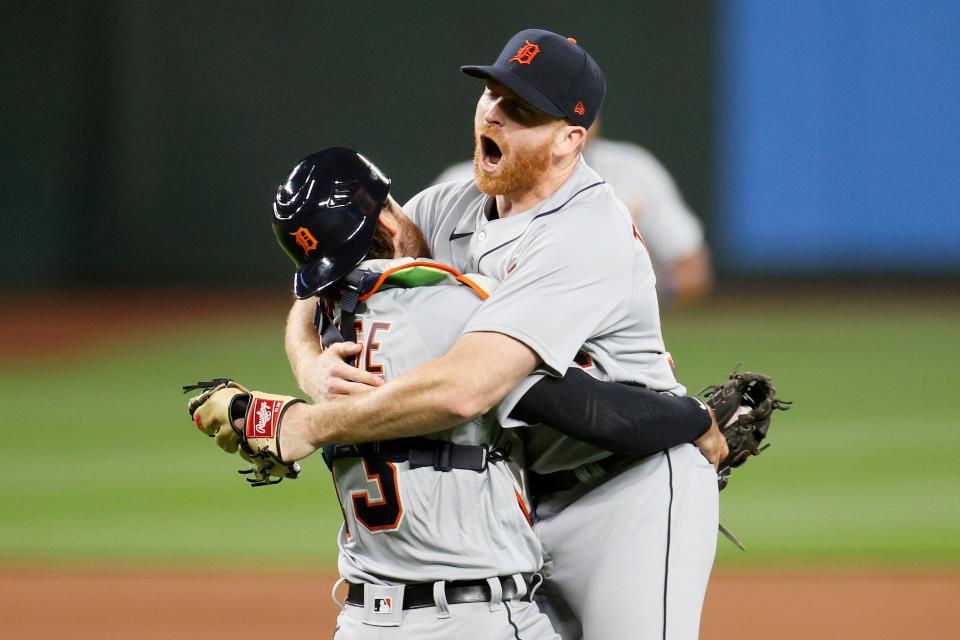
<point x="436" y="541"/>
<point x="575" y="277"/>
<point x="672" y="232"/>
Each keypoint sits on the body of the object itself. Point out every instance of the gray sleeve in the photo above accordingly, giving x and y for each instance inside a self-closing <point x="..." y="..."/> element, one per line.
<point x="427" y="208"/>
<point x="504" y="410"/>
<point x="571" y="282"/>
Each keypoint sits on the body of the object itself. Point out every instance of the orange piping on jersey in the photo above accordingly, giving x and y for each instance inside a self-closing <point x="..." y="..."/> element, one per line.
<point x="459" y="277"/>
<point x="523" y="507"/>
<point x="477" y="289"/>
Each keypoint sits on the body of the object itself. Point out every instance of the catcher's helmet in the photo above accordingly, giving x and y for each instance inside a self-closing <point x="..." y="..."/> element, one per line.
<point x="325" y="215"/>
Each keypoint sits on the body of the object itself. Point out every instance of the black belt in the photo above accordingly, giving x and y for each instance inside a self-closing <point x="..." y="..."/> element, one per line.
<point x="442" y="455"/>
<point x="547" y="483"/>
<point x="419" y="596"/>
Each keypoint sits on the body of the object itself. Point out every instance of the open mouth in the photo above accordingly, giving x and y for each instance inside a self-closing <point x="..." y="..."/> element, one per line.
<point x="490" y="151"/>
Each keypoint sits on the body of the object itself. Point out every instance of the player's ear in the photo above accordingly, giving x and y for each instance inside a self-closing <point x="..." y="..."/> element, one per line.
<point x="570" y="139"/>
<point x="388" y="221"/>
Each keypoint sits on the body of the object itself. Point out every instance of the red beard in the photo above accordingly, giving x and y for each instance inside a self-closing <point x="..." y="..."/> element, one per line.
<point x="518" y="171"/>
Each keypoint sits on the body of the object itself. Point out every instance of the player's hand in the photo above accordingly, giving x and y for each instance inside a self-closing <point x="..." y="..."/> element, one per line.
<point x="328" y="377"/>
<point x="712" y="443"/>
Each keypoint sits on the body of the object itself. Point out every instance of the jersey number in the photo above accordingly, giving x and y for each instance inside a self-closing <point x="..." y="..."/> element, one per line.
<point x="384" y="513"/>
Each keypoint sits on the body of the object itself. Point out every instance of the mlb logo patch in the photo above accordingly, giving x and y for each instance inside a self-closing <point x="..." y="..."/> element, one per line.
<point x="382" y="605"/>
<point x="262" y="417"/>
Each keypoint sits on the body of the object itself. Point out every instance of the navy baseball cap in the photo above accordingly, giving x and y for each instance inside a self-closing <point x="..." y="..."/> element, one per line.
<point x="550" y="73"/>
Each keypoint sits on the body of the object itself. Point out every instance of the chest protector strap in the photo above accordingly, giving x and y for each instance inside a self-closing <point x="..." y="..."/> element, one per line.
<point x="442" y="455"/>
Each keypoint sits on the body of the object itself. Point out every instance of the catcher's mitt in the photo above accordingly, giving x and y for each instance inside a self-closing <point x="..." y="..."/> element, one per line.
<point x="743" y="407"/>
<point x="222" y="404"/>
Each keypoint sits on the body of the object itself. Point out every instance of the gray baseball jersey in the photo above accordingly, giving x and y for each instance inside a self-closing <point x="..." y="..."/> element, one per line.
<point x="405" y="525"/>
<point x="576" y="284"/>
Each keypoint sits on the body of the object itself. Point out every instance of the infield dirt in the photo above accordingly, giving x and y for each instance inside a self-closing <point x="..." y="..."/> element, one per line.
<point x="87" y="604"/>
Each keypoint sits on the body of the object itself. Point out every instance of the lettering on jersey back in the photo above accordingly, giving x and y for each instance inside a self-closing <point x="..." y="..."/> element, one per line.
<point x="370" y="344"/>
<point x="373" y="346"/>
<point x="358" y="333"/>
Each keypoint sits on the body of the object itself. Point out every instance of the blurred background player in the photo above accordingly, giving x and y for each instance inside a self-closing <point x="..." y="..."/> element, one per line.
<point x="674" y="235"/>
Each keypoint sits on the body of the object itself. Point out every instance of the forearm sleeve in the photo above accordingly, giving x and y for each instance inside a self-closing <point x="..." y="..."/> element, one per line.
<point x="617" y="417"/>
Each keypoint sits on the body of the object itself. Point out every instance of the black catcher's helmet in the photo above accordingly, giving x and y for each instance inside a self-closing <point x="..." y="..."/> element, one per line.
<point x="325" y="214"/>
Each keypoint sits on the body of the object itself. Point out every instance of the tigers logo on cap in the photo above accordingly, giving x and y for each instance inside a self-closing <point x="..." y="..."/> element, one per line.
<point x="526" y="53"/>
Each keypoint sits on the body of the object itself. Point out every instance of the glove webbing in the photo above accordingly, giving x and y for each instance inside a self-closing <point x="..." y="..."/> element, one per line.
<point x="206" y="384"/>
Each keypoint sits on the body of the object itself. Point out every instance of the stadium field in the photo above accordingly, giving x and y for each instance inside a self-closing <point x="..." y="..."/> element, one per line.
<point x="106" y="472"/>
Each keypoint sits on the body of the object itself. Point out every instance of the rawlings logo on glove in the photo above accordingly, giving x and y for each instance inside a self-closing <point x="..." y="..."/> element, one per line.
<point x="263" y="417"/>
<point x="247" y="422"/>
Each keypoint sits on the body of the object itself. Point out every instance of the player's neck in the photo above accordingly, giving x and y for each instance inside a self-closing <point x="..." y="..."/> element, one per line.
<point x="511" y="204"/>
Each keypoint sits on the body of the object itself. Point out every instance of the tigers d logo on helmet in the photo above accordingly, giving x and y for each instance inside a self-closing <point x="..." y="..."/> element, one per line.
<point x="305" y="240"/>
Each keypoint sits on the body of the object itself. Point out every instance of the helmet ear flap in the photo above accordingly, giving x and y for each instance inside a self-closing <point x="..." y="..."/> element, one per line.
<point x="325" y="215"/>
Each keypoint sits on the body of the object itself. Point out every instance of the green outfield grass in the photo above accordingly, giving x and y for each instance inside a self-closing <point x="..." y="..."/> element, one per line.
<point x="103" y="465"/>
